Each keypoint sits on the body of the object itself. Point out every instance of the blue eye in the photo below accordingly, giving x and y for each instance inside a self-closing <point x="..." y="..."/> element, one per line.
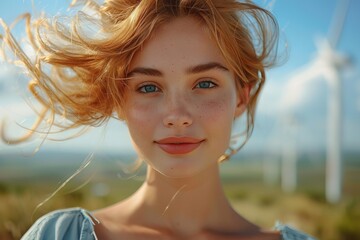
<point x="149" y="88"/>
<point x="205" y="84"/>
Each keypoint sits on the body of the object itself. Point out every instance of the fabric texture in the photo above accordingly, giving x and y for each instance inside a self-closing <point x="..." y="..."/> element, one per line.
<point x="65" y="224"/>
<point x="78" y="223"/>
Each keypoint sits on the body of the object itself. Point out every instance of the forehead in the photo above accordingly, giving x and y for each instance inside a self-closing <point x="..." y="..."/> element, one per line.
<point x="182" y="42"/>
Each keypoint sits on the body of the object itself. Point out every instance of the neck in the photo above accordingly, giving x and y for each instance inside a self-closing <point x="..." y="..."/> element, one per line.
<point x="185" y="206"/>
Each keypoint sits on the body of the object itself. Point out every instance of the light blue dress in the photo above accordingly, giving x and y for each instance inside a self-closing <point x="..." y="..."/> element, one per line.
<point x="78" y="223"/>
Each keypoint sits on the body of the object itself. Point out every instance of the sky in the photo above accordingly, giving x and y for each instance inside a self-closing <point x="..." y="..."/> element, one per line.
<point x="288" y="108"/>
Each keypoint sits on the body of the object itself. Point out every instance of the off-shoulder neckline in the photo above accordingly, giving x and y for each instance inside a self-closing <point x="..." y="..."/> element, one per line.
<point x="284" y="230"/>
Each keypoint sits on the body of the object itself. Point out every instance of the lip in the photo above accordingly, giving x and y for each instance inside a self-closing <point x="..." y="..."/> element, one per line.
<point x="179" y="145"/>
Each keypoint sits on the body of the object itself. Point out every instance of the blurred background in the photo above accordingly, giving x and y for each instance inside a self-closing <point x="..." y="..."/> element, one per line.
<point x="301" y="166"/>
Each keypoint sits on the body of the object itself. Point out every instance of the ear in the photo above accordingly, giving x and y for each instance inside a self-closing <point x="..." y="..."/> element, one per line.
<point x="242" y="101"/>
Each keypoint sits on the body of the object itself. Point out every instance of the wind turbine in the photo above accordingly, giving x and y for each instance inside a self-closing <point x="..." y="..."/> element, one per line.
<point x="327" y="64"/>
<point x="289" y="154"/>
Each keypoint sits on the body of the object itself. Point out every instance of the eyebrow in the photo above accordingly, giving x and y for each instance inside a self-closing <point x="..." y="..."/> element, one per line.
<point x="191" y="70"/>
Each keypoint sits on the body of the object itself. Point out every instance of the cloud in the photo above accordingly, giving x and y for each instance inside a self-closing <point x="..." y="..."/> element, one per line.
<point x="300" y="101"/>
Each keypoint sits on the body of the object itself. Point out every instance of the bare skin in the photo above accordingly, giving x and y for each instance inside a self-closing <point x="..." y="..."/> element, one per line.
<point x="199" y="210"/>
<point x="182" y="196"/>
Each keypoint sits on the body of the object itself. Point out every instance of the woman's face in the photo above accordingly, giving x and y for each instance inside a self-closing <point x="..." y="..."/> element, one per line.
<point x="181" y="101"/>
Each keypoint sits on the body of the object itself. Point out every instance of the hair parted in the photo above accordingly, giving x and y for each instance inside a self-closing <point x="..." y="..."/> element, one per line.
<point x="80" y="69"/>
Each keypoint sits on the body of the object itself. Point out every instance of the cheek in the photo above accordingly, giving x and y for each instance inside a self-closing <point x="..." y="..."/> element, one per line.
<point x="140" y="119"/>
<point x="217" y="109"/>
<point x="217" y="116"/>
<point x="137" y="113"/>
<point x="142" y="110"/>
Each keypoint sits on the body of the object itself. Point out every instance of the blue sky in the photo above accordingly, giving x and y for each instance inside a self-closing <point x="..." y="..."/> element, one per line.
<point x="301" y="23"/>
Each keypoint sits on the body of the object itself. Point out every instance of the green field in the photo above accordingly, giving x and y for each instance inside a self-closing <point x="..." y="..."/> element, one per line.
<point x="27" y="181"/>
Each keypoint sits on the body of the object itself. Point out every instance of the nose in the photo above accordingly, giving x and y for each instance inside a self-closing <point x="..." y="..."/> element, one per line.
<point x="177" y="114"/>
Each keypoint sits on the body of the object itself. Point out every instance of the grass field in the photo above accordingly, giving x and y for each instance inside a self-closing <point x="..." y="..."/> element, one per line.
<point x="23" y="186"/>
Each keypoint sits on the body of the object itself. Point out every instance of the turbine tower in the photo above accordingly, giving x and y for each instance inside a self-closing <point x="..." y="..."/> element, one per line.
<point x="289" y="155"/>
<point x="327" y="65"/>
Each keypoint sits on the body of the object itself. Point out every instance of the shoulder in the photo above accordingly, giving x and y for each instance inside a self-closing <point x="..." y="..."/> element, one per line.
<point x="289" y="233"/>
<point x="72" y="223"/>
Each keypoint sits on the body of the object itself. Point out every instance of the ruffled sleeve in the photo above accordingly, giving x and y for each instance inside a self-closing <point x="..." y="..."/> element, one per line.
<point x="288" y="233"/>
<point x="74" y="223"/>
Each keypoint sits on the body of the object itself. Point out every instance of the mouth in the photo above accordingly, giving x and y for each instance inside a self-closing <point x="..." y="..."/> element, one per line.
<point x="179" y="145"/>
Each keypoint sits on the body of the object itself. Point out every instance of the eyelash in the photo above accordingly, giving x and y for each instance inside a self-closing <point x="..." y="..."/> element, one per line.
<point x="142" y="89"/>
<point x="206" y="81"/>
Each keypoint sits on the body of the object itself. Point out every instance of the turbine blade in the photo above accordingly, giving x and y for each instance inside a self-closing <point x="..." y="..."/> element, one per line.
<point x="338" y="21"/>
<point x="308" y="73"/>
<point x="296" y="88"/>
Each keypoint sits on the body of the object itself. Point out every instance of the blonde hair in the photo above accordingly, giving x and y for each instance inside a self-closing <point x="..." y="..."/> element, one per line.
<point x="79" y="73"/>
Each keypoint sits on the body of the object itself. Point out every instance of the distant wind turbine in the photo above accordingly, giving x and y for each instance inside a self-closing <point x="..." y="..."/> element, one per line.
<point x="327" y="64"/>
<point x="289" y="155"/>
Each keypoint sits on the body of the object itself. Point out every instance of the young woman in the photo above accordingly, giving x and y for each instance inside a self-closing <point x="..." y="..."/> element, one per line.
<point x="178" y="73"/>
